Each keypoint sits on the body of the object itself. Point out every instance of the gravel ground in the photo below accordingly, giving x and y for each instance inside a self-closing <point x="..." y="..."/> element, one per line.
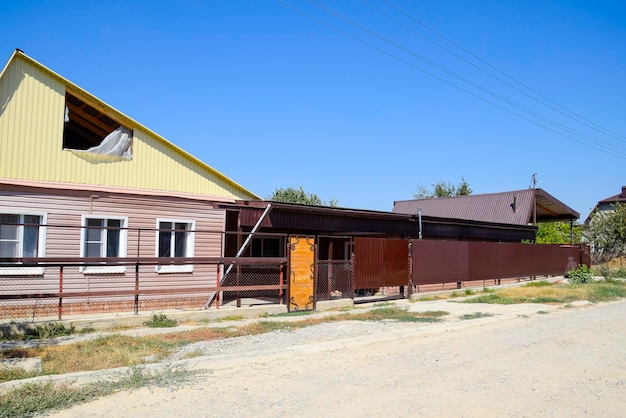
<point x="525" y="360"/>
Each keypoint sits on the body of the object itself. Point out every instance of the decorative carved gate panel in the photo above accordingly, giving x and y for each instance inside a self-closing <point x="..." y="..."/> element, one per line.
<point x="301" y="273"/>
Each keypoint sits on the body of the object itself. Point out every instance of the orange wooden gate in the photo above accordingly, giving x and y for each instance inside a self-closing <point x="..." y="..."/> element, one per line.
<point x="301" y="273"/>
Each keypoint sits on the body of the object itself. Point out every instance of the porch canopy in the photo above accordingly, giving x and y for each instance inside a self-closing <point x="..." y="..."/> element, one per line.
<point x="321" y="220"/>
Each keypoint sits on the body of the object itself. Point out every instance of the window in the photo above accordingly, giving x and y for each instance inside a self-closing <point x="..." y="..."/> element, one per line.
<point x="22" y="235"/>
<point x="88" y="129"/>
<point x="266" y="247"/>
<point x="103" y="237"/>
<point x="175" y="238"/>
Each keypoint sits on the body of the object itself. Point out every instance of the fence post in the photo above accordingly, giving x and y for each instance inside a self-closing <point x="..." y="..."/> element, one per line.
<point x="281" y="281"/>
<point x="60" y="292"/>
<point x="217" y="293"/>
<point x="136" y="288"/>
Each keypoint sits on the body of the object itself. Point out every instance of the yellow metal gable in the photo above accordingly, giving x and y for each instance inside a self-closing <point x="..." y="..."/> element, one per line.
<point x="32" y="110"/>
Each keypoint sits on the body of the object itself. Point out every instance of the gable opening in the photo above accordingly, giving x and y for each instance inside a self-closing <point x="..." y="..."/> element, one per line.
<point x="87" y="129"/>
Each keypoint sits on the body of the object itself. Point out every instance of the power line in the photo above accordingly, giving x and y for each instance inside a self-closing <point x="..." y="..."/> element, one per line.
<point x="566" y="112"/>
<point x="613" y="148"/>
<point x="607" y="151"/>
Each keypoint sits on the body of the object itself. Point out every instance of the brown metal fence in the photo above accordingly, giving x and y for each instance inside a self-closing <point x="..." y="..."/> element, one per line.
<point x="380" y="265"/>
<point x="454" y="261"/>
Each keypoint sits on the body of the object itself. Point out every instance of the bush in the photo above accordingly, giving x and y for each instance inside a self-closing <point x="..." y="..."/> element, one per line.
<point x="580" y="275"/>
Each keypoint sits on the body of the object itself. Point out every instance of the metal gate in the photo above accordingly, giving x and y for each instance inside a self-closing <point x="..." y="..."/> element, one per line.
<point x="381" y="266"/>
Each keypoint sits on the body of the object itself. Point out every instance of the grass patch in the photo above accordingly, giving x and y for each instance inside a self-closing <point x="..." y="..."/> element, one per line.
<point x="38" y="398"/>
<point x="396" y="314"/>
<point x="231" y="318"/>
<point x="601" y="291"/>
<point x="47" y="331"/>
<point x="475" y="315"/>
<point x="430" y="298"/>
<point x="543" y="312"/>
<point x="293" y="313"/>
<point x="540" y="283"/>
<point x="160" y="321"/>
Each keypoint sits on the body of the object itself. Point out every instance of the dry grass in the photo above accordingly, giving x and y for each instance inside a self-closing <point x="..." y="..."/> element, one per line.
<point x="542" y="292"/>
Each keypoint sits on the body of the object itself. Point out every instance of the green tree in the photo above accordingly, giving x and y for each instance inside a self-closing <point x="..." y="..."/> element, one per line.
<point x="443" y="189"/>
<point x="606" y="232"/>
<point x="557" y="233"/>
<point x="291" y="195"/>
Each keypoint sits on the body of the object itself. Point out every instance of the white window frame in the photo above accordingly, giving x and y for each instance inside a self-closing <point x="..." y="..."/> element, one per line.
<point x="123" y="246"/>
<point x="41" y="244"/>
<point x="189" y="246"/>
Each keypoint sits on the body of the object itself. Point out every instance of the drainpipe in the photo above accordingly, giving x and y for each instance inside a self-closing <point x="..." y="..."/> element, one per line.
<point x="419" y="217"/>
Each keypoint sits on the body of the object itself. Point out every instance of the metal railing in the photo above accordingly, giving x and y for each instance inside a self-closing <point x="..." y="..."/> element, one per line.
<point x="73" y="286"/>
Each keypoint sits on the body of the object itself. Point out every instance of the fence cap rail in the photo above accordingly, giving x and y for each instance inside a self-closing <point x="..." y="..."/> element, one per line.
<point x="131" y="261"/>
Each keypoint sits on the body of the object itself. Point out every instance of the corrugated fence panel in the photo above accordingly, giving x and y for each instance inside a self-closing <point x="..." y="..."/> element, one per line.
<point x="455" y="261"/>
<point x="380" y="262"/>
<point x="439" y="261"/>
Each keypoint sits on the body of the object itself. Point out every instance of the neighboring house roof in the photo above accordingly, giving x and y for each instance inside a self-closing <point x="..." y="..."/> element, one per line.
<point x="605" y="204"/>
<point x="513" y="208"/>
<point x="181" y="168"/>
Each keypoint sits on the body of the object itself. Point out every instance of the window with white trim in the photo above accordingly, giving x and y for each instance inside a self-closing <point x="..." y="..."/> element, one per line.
<point x="22" y="235"/>
<point x="103" y="236"/>
<point x="175" y="238"/>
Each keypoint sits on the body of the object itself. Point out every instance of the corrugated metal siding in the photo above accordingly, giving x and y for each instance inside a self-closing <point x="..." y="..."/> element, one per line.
<point x="31" y="139"/>
<point x="380" y="262"/>
<point x="27" y="148"/>
<point x="142" y="211"/>
<point x="449" y="261"/>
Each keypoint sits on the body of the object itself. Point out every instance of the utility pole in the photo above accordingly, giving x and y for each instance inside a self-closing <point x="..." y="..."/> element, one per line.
<point x="534" y="182"/>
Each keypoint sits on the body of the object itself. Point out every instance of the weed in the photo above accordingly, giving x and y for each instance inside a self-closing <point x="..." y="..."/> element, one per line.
<point x="160" y="321"/>
<point x="454" y="294"/>
<point x="475" y="315"/>
<point x="580" y="275"/>
<point x="380" y="304"/>
<point x="543" y="312"/>
<point x="38" y="398"/>
<point x="469" y="292"/>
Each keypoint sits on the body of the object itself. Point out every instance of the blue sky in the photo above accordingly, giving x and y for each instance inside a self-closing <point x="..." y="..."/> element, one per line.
<point x="272" y="97"/>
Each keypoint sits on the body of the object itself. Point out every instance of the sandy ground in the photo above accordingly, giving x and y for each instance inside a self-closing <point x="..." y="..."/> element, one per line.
<point x="525" y="361"/>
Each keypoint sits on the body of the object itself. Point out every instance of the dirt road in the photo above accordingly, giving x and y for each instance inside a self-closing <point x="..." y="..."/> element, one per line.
<point x="554" y="362"/>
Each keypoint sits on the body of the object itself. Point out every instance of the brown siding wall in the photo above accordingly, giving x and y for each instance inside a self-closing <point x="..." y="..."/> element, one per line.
<point x="64" y="212"/>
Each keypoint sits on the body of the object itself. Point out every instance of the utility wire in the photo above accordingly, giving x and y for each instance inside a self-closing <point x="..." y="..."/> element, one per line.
<point x="294" y="8"/>
<point x="522" y="108"/>
<point x="554" y="105"/>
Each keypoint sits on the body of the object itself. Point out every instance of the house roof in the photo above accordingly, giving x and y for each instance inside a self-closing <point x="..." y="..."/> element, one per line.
<point x="126" y="120"/>
<point x="604" y="203"/>
<point x="618" y="198"/>
<point x="513" y="208"/>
